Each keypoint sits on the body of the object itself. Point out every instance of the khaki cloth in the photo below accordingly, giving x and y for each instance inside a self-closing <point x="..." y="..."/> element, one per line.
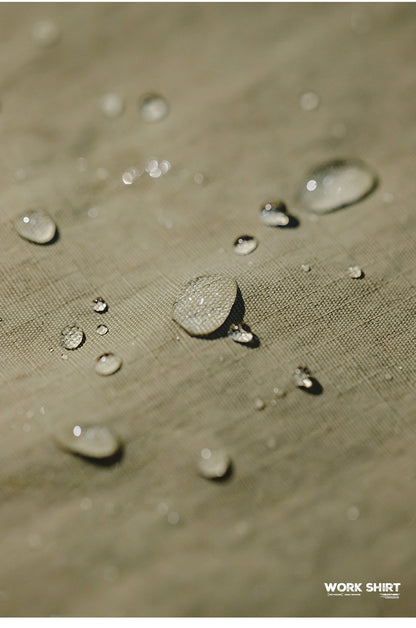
<point x="324" y="486"/>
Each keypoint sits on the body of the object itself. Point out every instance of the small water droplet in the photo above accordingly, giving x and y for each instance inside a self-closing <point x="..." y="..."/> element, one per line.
<point x="153" y="107"/>
<point x="274" y="214"/>
<point x="353" y="513"/>
<point x="213" y="464"/>
<point x="72" y="337"/>
<point x="279" y="392"/>
<point x="112" y="105"/>
<point x="243" y="245"/>
<point x="107" y="364"/>
<point x="309" y="101"/>
<point x="306" y="268"/>
<point x="46" y="33"/>
<point x="355" y="272"/>
<point x="240" y="333"/>
<point x="99" y="305"/>
<point x="302" y="377"/>
<point x="336" y="184"/>
<point x="64" y="356"/>
<point x="204" y="304"/>
<point x="129" y="176"/>
<point x="90" y="441"/>
<point x="93" y="212"/>
<point x="388" y="377"/>
<point x="36" y="226"/>
<point x="198" y="178"/>
<point x="102" y="330"/>
<point x="259" y="404"/>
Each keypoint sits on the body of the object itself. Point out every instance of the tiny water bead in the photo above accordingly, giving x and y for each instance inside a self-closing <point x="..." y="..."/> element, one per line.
<point x="274" y="214"/>
<point x="306" y="268"/>
<point x="129" y="176"/>
<point x="204" y="304"/>
<point x="91" y="441"/>
<point x="155" y="168"/>
<point x="153" y="107"/>
<point x="336" y="184"/>
<point x="36" y="226"/>
<point x="102" y="330"/>
<point x="243" y="245"/>
<point x="107" y="364"/>
<point x="46" y="33"/>
<point x="72" y="337"/>
<point x="112" y="105"/>
<point x="302" y="377"/>
<point x="259" y="404"/>
<point x="240" y="333"/>
<point x="355" y="272"/>
<point x="99" y="305"/>
<point x="214" y="464"/>
<point x="309" y="101"/>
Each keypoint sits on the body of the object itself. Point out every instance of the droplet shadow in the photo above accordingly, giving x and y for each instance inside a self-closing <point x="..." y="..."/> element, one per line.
<point x="105" y="462"/>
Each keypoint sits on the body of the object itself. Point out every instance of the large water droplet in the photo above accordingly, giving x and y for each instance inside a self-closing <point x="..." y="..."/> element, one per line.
<point x="240" y="333"/>
<point x="245" y="244"/>
<point x="302" y="377"/>
<point x="112" y="105"/>
<point x="72" y="337"/>
<point x="204" y="304"/>
<point x="107" y="364"/>
<point x="274" y="214"/>
<point x="336" y="184"/>
<point x="153" y="107"/>
<point x="99" y="305"/>
<point x="95" y="441"/>
<point x="46" y="33"/>
<point x="36" y="226"/>
<point x="214" y="465"/>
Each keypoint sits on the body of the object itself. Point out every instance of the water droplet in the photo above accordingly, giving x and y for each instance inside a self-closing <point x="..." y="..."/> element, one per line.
<point x="93" y="212"/>
<point x="279" y="392"/>
<point x="90" y="441"/>
<point x="204" y="304"/>
<point x="243" y="245"/>
<point x="259" y="404"/>
<point x="102" y="330"/>
<point x="353" y="513"/>
<point x="72" y="337"/>
<point x="309" y="101"/>
<point x="336" y="184"/>
<point x="388" y="377"/>
<point x="153" y="107"/>
<point x="36" y="226"/>
<point x="306" y="268"/>
<point x="129" y="176"/>
<point x="355" y="272"/>
<point x="302" y="377"/>
<point x="198" y="178"/>
<point x="112" y="105"/>
<point x="240" y="333"/>
<point x="46" y="33"/>
<point x="274" y="214"/>
<point x="99" y="305"/>
<point x="107" y="364"/>
<point x="214" y="464"/>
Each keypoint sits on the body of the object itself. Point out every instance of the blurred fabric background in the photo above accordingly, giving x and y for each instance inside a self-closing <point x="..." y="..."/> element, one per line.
<point x="323" y="487"/>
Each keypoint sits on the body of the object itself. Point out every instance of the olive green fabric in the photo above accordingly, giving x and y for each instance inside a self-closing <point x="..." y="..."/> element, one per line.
<point x="323" y="486"/>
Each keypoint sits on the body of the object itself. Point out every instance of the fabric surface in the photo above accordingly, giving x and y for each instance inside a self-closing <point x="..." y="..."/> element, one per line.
<point x="323" y="486"/>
